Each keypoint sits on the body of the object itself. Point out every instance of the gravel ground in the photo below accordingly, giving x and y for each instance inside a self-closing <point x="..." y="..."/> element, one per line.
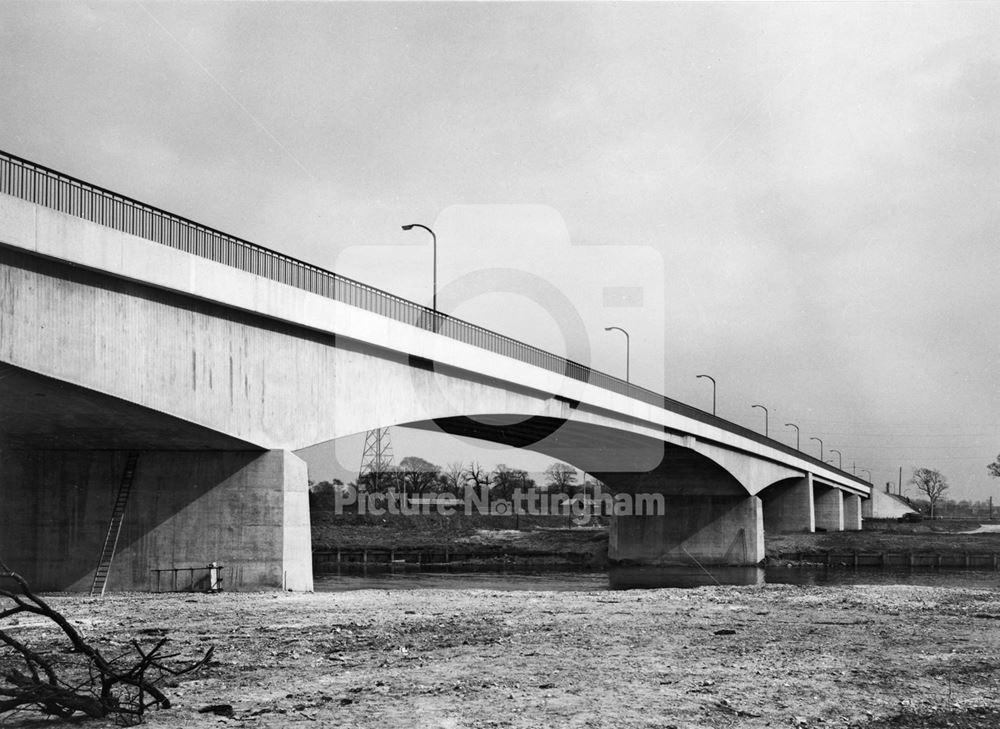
<point x="776" y="655"/>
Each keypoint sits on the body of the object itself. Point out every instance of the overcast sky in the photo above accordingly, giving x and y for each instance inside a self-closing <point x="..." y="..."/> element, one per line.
<point x="806" y="195"/>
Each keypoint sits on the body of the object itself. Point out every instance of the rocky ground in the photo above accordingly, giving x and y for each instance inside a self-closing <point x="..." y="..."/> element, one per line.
<point x="771" y="656"/>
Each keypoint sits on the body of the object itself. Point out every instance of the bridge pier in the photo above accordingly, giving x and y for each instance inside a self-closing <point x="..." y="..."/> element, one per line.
<point x="789" y="506"/>
<point x="246" y="510"/>
<point x="710" y="530"/>
<point x="829" y="508"/>
<point x="852" y="513"/>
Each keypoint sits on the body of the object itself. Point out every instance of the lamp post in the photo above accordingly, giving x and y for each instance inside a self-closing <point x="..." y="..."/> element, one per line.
<point x="797" y="434"/>
<point x="840" y="458"/>
<point x="709" y="377"/>
<point x="765" y="417"/>
<point x="868" y="472"/>
<point x="820" y="446"/>
<point x="434" y="242"/>
<point x="627" y="349"/>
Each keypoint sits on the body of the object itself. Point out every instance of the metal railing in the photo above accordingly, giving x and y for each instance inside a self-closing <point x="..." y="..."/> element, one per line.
<point x="38" y="184"/>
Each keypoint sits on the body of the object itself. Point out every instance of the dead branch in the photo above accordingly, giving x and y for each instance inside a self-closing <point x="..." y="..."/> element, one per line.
<point x="88" y="683"/>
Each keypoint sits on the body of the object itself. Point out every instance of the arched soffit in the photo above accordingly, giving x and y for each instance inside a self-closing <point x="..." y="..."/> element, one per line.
<point x="580" y="439"/>
<point x="753" y="473"/>
<point x="682" y="472"/>
<point x="623" y="458"/>
<point x="781" y="484"/>
<point x="585" y="445"/>
<point x="617" y="450"/>
<point x="821" y="483"/>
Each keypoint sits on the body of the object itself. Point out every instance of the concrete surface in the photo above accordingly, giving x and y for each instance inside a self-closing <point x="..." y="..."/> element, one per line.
<point x="247" y="510"/>
<point x="829" y="508"/>
<point x="706" y="530"/>
<point x="113" y="342"/>
<point x="789" y="506"/>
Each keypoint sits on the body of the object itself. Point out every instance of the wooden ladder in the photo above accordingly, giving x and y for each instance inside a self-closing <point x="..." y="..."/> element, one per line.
<point x="115" y="527"/>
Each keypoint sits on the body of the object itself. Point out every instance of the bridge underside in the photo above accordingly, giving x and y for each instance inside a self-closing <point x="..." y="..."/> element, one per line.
<point x="711" y="515"/>
<point x="198" y="496"/>
<point x="708" y="516"/>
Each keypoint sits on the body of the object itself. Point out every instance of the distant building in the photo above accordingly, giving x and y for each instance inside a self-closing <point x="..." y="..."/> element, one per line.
<point x="883" y="505"/>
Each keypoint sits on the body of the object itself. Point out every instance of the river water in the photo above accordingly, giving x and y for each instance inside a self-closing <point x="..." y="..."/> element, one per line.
<point x="632" y="578"/>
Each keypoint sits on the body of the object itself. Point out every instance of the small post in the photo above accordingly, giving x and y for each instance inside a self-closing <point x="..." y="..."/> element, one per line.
<point x="213" y="577"/>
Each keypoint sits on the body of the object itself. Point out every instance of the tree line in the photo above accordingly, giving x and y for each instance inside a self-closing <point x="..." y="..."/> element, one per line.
<point x="415" y="476"/>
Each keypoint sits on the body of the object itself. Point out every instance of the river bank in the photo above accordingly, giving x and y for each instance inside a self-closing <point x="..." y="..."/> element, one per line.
<point x="772" y="656"/>
<point x="551" y="542"/>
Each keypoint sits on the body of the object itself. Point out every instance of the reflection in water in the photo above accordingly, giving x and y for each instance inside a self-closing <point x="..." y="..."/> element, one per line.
<point x="644" y="578"/>
<point x="633" y="578"/>
<point x="926" y="577"/>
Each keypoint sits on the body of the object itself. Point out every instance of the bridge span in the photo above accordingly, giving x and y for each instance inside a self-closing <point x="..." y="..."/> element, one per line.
<point x="125" y="329"/>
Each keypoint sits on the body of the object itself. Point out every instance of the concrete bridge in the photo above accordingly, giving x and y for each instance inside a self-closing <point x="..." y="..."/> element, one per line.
<point x="127" y="329"/>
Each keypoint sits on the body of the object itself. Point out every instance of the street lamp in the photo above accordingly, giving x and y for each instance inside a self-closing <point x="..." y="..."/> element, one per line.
<point x="713" y="389"/>
<point x="627" y="347"/>
<point x="820" y="446"/>
<point x="840" y="458"/>
<point x="797" y="434"/>
<point x="434" y="241"/>
<point x="765" y="417"/>
<point x="868" y="472"/>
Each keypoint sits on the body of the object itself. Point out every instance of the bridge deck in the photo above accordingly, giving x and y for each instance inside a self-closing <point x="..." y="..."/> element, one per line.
<point x="43" y="186"/>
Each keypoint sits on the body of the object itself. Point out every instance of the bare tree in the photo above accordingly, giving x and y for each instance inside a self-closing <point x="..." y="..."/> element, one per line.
<point x="418" y="475"/>
<point x="505" y="480"/>
<point x="80" y="680"/>
<point x="477" y="475"/>
<point x="931" y="483"/>
<point x="453" y="477"/>
<point x="561" y="478"/>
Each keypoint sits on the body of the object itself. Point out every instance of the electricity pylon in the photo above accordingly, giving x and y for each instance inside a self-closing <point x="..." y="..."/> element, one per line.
<point x="376" y="461"/>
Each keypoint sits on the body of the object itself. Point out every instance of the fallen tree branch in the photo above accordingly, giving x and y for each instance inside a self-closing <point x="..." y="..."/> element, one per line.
<point x="86" y="682"/>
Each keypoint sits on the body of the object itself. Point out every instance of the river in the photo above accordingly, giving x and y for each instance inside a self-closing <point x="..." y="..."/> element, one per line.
<point x="631" y="578"/>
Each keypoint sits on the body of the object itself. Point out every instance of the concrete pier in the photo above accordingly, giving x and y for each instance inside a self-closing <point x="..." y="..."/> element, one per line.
<point x="709" y="530"/>
<point x="852" y="513"/>
<point x="248" y="511"/>
<point x="829" y="508"/>
<point x="789" y="506"/>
